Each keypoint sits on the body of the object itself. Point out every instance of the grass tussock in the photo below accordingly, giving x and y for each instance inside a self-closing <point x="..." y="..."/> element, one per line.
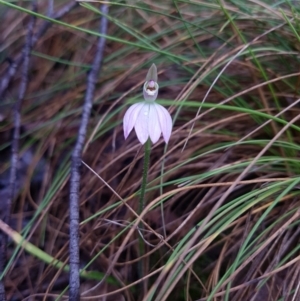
<point x="221" y="220"/>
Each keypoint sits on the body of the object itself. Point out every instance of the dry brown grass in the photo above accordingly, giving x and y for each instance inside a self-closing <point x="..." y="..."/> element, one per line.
<point x="50" y="119"/>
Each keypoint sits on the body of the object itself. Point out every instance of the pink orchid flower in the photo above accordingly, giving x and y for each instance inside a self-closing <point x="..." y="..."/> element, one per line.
<point x="148" y="118"/>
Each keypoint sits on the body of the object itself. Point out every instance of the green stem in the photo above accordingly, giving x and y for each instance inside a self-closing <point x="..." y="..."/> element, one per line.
<point x="145" y="176"/>
<point x="142" y="203"/>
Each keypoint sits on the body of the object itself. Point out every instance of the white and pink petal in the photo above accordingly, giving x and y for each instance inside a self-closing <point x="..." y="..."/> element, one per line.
<point x="130" y="118"/>
<point x="141" y="124"/>
<point x="153" y="124"/>
<point x="165" y="121"/>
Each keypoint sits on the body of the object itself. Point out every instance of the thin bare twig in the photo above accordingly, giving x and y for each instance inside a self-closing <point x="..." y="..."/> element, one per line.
<point x="74" y="293"/>
<point x="15" y="63"/>
<point x="5" y="208"/>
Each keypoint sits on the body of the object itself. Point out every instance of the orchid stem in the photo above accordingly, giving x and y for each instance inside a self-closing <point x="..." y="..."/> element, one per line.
<point x="142" y="202"/>
<point x="145" y="175"/>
